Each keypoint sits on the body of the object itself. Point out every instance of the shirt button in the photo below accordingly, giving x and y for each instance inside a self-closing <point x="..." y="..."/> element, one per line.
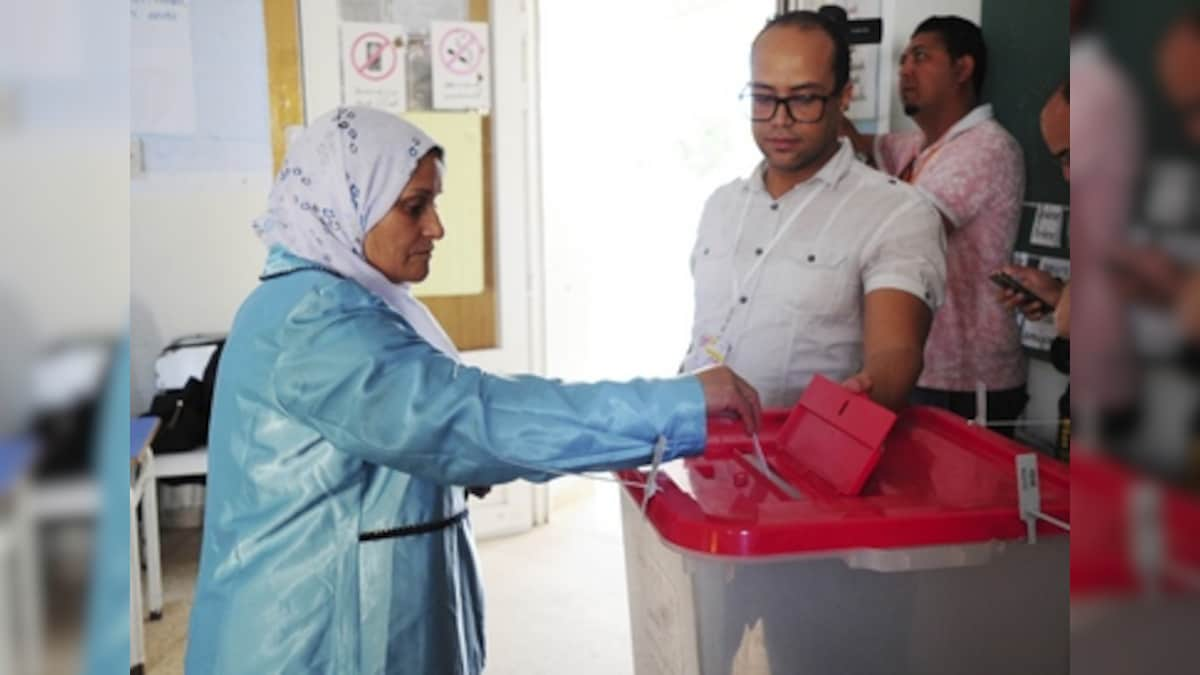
<point x="891" y="181"/>
<point x="758" y="251"/>
<point x="705" y="251"/>
<point x="743" y="299"/>
<point x="775" y="206"/>
<point x="812" y="258"/>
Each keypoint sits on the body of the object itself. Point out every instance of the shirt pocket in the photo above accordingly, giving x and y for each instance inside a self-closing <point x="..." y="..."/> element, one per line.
<point x="812" y="279"/>
<point x="713" y="276"/>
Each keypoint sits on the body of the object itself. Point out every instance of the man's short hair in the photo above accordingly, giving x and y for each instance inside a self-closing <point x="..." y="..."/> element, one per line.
<point x="807" y="20"/>
<point x="962" y="38"/>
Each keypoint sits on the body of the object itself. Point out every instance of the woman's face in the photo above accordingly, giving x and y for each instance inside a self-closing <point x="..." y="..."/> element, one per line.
<point x="401" y="244"/>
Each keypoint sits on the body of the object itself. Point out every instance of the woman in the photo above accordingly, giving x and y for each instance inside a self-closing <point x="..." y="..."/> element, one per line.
<point x="334" y="538"/>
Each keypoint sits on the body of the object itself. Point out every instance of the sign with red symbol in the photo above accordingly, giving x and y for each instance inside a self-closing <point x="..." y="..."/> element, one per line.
<point x="461" y="65"/>
<point x="373" y="71"/>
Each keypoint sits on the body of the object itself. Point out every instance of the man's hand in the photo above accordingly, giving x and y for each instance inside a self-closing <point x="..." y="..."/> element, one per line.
<point x="863" y="145"/>
<point x="858" y="383"/>
<point x="727" y="394"/>
<point x="1041" y="283"/>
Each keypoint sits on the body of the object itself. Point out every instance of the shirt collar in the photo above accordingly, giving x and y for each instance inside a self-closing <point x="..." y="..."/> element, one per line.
<point x="979" y="115"/>
<point x="830" y="175"/>
<point x="281" y="261"/>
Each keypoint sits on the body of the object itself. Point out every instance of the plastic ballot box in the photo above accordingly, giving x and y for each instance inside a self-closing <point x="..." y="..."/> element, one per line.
<point x="921" y="565"/>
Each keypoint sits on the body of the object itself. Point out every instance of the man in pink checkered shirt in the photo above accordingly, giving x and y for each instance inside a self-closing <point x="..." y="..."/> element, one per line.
<point x="972" y="170"/>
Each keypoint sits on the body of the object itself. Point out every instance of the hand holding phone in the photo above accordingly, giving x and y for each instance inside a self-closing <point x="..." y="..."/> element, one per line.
<point x="1031" y="303"/>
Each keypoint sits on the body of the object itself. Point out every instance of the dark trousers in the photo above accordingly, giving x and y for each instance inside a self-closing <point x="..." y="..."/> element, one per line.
<point x="1003" y="405"/>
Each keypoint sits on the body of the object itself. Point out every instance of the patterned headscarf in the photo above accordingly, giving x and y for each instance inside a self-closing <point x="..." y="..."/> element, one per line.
<point x="342" y="174"/>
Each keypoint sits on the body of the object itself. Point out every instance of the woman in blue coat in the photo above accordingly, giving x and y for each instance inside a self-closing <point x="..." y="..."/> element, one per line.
<point x="336" y="538"/>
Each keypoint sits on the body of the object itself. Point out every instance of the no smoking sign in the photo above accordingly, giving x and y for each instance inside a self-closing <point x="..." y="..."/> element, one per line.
<point x="461" y="65"/>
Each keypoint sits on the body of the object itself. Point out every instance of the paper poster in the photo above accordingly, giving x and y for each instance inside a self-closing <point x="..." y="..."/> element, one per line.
<point x="458" y="259"/>
<point x="162" y="92"/>
<point x="864" y="59"/>
<point x="461" y="60"/>
<point x="864" y="64"/>
<point x="373" y="66"/>
<point x="1047" y="227"/>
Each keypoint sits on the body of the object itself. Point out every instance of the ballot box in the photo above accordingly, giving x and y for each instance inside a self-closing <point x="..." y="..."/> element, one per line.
<point x="926" y="568"/>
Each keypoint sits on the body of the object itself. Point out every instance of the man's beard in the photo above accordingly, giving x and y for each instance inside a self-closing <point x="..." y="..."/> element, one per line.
<point x="911" y="109"/>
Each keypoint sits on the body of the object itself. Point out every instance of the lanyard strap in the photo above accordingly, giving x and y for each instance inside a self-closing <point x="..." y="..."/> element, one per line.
<point x="736" y="286"/>
<point x="757" y="265"/>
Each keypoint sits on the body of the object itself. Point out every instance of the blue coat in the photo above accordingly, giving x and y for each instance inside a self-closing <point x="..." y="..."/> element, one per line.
<point x="334" y="540"/>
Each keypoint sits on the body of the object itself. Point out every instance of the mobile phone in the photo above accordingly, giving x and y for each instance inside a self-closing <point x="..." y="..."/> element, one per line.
<point x="1004" y="280"/>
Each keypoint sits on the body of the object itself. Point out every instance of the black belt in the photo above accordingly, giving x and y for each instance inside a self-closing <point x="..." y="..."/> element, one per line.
<point x="412" y="530"/>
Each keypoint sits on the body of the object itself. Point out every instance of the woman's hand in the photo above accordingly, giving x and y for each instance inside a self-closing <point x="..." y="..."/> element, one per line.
<point x="727" y="394"/>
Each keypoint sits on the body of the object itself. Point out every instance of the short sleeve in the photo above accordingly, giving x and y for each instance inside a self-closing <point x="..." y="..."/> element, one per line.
<point x="908" y="253"/>
<point x="971" y="172"/>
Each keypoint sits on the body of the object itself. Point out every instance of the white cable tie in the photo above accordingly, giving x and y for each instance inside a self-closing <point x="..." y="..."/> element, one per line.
<point x="1017" y="423"/>
<point x="651" y="488"/>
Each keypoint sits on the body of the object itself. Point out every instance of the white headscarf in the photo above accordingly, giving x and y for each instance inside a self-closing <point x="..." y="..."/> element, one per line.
<point x="340" y="177"/>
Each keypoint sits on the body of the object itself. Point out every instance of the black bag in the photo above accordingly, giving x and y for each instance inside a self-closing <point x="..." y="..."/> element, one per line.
<point x="185" y="412"/>
<point x="64" y="420"/>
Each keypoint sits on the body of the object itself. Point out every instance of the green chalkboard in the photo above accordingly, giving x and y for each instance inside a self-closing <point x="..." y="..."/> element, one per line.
<point x="1029" y="55"/>
<point x="1131" y="30"/>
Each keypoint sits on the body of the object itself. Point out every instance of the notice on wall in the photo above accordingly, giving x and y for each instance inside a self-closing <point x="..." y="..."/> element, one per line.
<point x="1047" y="227"/>
<point x="864" y="65"/>
<point x="373" y="66"/>
<point x="162" y="92"/>
<point x="461" y="60"/>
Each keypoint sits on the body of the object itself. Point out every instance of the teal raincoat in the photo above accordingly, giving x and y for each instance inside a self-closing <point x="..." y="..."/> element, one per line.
<point x="335" y="539"/>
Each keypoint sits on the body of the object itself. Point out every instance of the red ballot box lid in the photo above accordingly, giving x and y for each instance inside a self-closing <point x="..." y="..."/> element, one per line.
<point x="835" y="435"/>
<point x="938" y="480"/>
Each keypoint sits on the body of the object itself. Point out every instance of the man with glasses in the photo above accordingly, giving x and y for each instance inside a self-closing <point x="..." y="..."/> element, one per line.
<point x="972" y="170"/>
<point x="813" y="263"/>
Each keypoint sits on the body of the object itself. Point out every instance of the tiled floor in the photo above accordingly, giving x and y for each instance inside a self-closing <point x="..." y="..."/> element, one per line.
<point x="555" y="595"/>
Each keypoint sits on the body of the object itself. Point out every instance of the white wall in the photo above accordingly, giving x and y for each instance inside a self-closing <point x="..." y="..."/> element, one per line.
<point x="632" y="146"/>
<point x="194" y="259"/>
<point x="66" y="257"/>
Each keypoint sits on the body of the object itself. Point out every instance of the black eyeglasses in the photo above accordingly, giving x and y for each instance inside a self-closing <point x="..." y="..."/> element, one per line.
<point x="802" y="108"/>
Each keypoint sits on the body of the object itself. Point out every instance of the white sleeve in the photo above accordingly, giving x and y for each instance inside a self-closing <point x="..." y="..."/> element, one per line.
<point x="908" y="253"/>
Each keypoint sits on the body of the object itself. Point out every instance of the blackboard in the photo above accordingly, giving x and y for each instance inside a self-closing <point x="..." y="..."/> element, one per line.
<point x="1028" y="56"/>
